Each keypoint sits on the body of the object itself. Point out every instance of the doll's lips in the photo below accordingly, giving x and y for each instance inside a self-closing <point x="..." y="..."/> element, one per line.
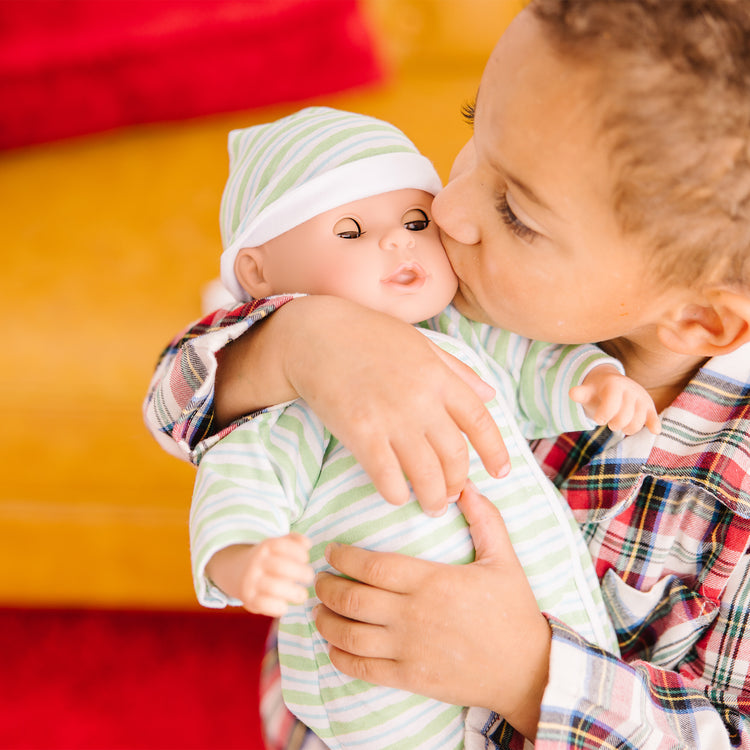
<point x="408" y="276"/>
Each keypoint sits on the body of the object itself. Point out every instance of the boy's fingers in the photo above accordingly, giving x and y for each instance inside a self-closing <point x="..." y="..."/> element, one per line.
<point x="361" y="638"/>
<point x="384" y="468"/>
<point x="291" y="570"/>
<point x="389" y="571"/>
<point x="423" y="469"/>
<point x="486" y="526"/>
<point x="482" y="389"/>
<point x="481" y="430"/>
<point x="282" y="589"/>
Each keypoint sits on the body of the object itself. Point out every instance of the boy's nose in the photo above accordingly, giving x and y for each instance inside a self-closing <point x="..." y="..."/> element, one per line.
<point x="398" y="239"/>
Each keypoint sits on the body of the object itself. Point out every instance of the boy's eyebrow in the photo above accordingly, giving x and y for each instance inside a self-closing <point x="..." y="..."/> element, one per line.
<point x="527" y="191"/>
<point x="520" y="184"/>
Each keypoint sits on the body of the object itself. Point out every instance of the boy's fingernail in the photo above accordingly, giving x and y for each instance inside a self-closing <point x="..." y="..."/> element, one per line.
<point x="436" y="512"/>
<point x="503" y="471"/>
<point x="453" y="498"/>
<point x="329" y="549"/>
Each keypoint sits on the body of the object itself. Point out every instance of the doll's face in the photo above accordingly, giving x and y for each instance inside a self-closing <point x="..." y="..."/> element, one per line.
<point x="383" y="252"/>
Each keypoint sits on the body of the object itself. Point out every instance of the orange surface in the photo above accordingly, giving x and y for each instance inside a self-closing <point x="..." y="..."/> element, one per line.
<point x="108" y="239"/>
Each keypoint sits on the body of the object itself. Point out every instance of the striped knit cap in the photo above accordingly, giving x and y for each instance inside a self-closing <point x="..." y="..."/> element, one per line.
<point x="283" y="173"/>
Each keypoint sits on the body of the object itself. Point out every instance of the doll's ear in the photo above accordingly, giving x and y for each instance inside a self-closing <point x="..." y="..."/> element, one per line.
<point x="717" y="324"/>
<point x="249" y="268"/>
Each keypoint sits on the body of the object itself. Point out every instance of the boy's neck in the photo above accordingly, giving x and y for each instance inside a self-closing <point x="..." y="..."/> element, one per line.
<point x="662" y="372"/>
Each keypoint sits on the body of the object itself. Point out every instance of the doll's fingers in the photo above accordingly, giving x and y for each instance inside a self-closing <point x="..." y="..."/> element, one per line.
<point x="637" y="421"/>
<point x="282" y="589"/>
<point x="581" y="394"/>
<point x="653" y="422"/>
<point x="269" y="606"/>
<point x="293" y="546"/>
<point x="622" y="417"/>
<point x="290" y="570"/>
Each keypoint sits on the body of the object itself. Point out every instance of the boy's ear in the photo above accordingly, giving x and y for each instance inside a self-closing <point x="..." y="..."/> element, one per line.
<point x="718" y="324"/>
<point x="250" y="270"/>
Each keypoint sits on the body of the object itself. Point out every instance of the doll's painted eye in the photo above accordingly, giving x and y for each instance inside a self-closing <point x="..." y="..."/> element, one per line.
<point x="348" y="229"/>
<point x="415" y="220"/>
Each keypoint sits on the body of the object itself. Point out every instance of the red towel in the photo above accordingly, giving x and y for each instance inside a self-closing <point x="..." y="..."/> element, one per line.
<point x="70" y="67"/>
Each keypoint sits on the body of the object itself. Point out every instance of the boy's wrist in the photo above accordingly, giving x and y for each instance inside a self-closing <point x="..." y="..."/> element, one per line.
<point x="525" y="718"/>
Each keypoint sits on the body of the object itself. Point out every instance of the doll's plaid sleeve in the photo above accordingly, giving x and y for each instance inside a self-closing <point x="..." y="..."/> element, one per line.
<point x="178" y="409"/>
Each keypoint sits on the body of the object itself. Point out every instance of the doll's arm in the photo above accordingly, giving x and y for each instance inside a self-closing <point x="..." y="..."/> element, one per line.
<point x="609" y="397"/>
<point x="266" y="577"/>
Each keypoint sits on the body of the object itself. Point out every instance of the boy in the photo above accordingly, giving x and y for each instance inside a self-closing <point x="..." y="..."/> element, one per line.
<point x="280" y="487"/>
<point x="636" y="138"/>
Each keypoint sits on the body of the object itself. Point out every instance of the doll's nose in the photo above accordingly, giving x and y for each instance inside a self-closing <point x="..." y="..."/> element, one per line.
<point x="399" y="238"/>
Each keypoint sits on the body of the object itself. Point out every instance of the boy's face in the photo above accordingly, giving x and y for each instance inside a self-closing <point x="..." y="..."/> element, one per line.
<point x="528" y="217"/>
<point x="383" y="252"/>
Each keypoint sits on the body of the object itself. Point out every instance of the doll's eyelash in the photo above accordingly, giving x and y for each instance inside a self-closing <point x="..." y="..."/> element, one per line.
<point x="512" y="221"/>
<point x="418" y="225"/>
<point x="351" y="234"/>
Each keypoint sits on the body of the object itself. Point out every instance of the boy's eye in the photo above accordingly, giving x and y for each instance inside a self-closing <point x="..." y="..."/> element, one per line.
<point x="512" y="221"/>
<point x="415" y="220"/>
<point x="348" y="229"/>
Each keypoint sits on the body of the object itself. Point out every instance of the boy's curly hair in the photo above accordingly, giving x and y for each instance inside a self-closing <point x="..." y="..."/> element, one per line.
<point x="675" y="95"/>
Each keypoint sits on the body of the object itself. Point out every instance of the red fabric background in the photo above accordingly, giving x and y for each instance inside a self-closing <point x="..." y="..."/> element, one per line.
<point x="75" y="680"/>
<point x="70" y="67"/>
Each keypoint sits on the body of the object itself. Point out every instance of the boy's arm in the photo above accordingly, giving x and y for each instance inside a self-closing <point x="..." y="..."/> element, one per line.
<point x="375" y="381"/>
<point x="650" y="707"/>
<point x="549" y="683"/>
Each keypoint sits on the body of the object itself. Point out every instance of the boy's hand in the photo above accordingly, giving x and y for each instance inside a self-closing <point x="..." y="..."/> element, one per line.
<point x="610" y="398"/>
<point x="404" y="408"/>
<point x="401" y="407"/>
<point x="266" y="577"/>
<point x="488" y="642"/>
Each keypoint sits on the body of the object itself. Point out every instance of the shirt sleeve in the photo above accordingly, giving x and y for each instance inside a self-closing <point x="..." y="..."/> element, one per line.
<point x="253" y="485"/>
<point x="178" y="409"/>
<point x="543" y="375"/>
<point x="595" y="700"/>
<point x="535" y="377"/>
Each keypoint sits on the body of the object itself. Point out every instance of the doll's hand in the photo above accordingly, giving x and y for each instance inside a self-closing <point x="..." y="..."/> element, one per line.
<point x="266" y="577"/>
<point x="610" y="398"/>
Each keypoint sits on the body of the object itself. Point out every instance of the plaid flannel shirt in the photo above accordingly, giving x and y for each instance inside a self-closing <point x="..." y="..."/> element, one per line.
<point x="667" y="520"/>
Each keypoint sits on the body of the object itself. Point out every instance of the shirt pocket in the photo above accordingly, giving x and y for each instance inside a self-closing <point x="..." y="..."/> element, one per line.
<point x="660" y="625"/>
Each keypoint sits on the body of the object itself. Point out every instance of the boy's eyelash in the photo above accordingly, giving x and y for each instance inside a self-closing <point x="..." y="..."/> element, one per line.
<point x="467" y="112"/>
<point x="512" y="221"/>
